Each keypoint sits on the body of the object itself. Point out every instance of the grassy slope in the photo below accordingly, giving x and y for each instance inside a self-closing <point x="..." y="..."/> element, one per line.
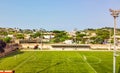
<point x="59" y="62"/>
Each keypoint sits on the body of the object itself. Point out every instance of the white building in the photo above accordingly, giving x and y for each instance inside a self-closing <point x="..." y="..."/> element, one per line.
<point x="68" y="41"/>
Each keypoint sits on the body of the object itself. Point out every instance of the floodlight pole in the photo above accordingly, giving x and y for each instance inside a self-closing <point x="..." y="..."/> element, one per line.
<point x="115" y="14"/>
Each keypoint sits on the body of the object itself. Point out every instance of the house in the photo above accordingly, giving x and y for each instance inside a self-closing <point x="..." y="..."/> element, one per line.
<point x="11" y="36"/>
<point x="68" y="41"/>
<point x="48" y="36"/>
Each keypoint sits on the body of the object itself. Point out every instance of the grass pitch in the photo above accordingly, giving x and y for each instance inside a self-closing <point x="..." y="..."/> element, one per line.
<point x="60" y="62"/>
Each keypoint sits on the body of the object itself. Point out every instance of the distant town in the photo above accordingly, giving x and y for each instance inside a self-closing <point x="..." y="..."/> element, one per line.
<point x="43" y="39"/>
<point x="87" y="36"/>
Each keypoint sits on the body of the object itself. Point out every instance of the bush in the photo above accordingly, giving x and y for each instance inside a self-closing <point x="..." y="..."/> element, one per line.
<point x="2" y="46"/>
<point x="7" y="39"/>
<point x="36" y="46"/>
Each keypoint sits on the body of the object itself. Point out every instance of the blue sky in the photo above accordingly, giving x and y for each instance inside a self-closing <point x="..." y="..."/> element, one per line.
<point x="57" y="14"/>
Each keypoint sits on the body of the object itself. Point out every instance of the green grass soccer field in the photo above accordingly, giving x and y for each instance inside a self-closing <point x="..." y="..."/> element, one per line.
<point x="60" y="62"/>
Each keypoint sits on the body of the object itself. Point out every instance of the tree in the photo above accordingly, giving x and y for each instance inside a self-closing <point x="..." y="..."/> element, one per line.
<point x="3" y="33"/>
<point x="2" y="46"/>
<point x="60" y="36"/>
<point x="101" y="36"/>
<point x="97" y="40"/>
<point x="35" y="35"/>
<point x="20" y="36"/>
<point x="79" y="37"/>
<point x="103" y="33"/>
<point x="7" y="39"/>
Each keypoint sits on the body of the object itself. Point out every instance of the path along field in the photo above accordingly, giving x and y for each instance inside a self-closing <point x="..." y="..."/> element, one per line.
<point x="59" y="62"/>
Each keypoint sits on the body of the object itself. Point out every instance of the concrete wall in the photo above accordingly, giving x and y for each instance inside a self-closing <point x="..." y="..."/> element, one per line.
<point x="31" y="45"/>
<point x="93" y="46"/>
<point x="103" y="46"/>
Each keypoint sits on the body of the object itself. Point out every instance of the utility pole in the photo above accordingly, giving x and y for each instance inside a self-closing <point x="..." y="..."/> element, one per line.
<point x="75" y="35"/>
<point x="110" y="39"/>
<point x="41" y="40"/>
<point x="115" y="14"/>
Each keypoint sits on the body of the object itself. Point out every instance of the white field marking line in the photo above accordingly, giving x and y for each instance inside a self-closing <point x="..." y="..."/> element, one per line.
<point x="99" y="60"/>
<point x="89" y="64"/>
<point x="84" y="57"/>
<point x="69" y="50"/>
<point x="22" y="63"/>
<point x="68" y="59"/>
<point x="118" y="53"/>
<point x="85" y="60"/>
<point x="32" y="59"/>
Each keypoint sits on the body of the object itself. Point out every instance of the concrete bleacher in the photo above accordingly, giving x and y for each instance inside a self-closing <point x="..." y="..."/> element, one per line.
<point x="70" y="46"/>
